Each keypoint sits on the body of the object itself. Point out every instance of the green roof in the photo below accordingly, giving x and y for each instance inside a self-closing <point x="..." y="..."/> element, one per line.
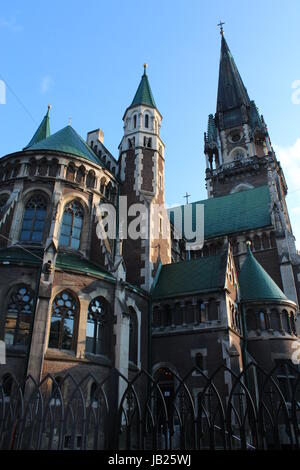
<point x="68" y="141"/>
<point x="255" y="282"/>
<point x="189" y="277"/>
<point x="144" y="93"/>
<point x="74" y="262"/>
<point x="42" y="132"/>
<point x="233" y="213"/>
<point x="231" y="89"/>
<point x="18" y="255"/>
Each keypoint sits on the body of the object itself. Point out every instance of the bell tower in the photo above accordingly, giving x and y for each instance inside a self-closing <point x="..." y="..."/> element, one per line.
<point x="141" y="169"/>
<point x="237" y="145"/>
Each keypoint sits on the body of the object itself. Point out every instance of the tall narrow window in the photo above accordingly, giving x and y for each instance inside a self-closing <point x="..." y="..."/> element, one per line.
<point x="146" y="120"/>
<point x="34" y="219"/>
<point x="134" y="121"/>
<point x="71" y="225"/>
<point x="19" y="317"/>
<point x="64" y="314"/>
<point x="96" y="327"/>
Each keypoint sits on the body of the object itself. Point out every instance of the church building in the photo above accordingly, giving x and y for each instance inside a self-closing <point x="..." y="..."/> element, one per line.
<point x="73" y="301"/>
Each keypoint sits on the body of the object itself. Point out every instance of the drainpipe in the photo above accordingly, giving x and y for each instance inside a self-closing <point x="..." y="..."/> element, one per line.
<point x="150" y="316"/>
<point x="245" y="336"/>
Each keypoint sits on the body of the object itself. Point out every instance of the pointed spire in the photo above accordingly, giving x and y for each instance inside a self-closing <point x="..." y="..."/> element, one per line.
<point x="144" y="93"/>
<point x="43" y="130"/>
<point x="231" y="90"/>
<point x="255" y="282"/>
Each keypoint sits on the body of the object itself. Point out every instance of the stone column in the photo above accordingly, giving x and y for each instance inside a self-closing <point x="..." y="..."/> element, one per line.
<point x="39" y="341"/>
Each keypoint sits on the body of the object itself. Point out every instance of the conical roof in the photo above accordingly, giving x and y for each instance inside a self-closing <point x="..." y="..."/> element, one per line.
<point x="144" y="94"/>
<point x="43" y="131"/>
<point x="255" y="282"/>
<point x="68" y="141"/>
<point x="232" y="92"/>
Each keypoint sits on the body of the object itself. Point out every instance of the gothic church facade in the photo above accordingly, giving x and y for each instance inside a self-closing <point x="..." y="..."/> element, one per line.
<point x="71" y="301"/>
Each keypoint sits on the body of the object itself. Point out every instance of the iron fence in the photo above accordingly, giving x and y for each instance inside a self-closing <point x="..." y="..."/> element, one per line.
<point x="227" y="410"/>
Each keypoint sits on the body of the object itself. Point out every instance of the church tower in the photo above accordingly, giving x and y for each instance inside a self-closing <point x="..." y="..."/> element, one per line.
<point x="237" y="144"/>
<point x="239" y="156"/>
<point x="141" y="169"/>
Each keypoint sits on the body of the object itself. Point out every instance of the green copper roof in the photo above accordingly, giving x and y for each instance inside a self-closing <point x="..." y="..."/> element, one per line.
<point x="144" y="93"/>
<point x="189" y="277"/>
<point x="233" y="213"/>
<point x="73" y="262"/>
<point x="43" y="130"/>
<point x="68" y="141"/>
<point x="17" y="255"/>
<point x="255" y="282"/>
<point x="231" y="89"/>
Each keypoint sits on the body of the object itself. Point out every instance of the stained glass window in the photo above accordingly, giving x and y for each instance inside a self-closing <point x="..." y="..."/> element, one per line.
<point x="34" y="219"/>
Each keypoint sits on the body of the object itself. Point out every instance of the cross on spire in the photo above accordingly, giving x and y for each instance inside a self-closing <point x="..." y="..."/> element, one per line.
<point x="145" y="69"/>
<point x="187" y="197"/>
<point x="221" y="27"/>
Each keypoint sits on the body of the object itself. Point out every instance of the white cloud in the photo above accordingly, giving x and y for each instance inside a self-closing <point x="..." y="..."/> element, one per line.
<point x="289" y="158"/>
<point x="46" y="83"/>
<point x="10" y="24"/>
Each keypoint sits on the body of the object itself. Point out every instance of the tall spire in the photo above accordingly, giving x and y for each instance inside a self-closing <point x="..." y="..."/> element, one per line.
<point x="144" y="93"/>
<point x="231" y="90"/>
<point x="43" y="131"/>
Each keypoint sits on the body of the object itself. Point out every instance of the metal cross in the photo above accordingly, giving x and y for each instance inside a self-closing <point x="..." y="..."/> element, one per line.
<point x="70" y="121"/>
<point x="187" y="197"/>
<point x="221" y="27"/>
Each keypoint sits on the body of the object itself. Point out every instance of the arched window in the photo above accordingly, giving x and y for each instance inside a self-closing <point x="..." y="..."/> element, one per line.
<point x="134" y="121"/>
<point x="256" y="243"/>
<point x="70" y="172"/>
<point x="133" y="336"/>
<point x="43" y="167"/>
<point x="64" y="315"/>
<point x="156" y="316"/>
<point x="19" y="317"/>
<point x="201" y="311"/>
<point x="96" y="327"/>
<point x="251" y="320"/>
<point x="167" y="315"/>
<point x="285" y="321"/>
<point x="34" y="219"/>
<point x="31" y="167"/>
<point x="262" y="320"/>
<point x="90" y="180"/>
<point x="265" y="241"/>
<point x="53" y="168"/>
<point x="71" y="225"/>
<point x="102" y="185"/>
<point x="108" y="190"/>
<point x="212" y="310"/>
<point x="293" y="323"/>
<point x="272" y="240"/>
<point x="80" y="175"/>
<point x="146" y="120"/>
<point x="199" y="361"/>
<point x="275" y="320"/>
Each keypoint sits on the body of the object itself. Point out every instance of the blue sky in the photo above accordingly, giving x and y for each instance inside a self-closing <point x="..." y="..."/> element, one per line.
<point x="86" y="59"/>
